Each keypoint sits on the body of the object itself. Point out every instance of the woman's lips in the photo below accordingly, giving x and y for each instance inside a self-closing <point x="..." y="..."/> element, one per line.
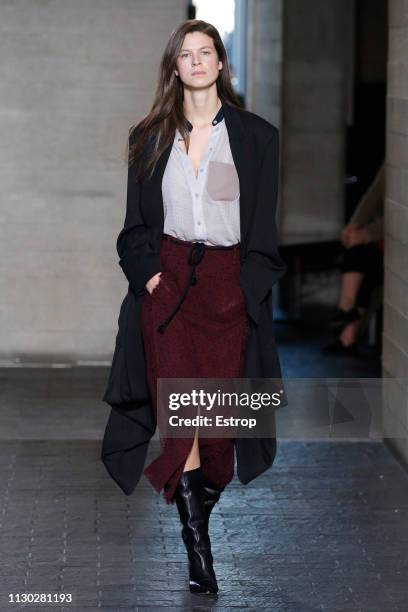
<point x="198" y="73"/>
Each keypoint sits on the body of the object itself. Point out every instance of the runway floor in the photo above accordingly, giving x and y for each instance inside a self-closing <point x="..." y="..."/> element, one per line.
<point x="325" y="529"/>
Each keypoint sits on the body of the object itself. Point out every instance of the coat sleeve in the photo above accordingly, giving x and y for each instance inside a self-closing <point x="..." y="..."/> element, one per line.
<point x="138" y="260"/>
<point x="263" y="266"/>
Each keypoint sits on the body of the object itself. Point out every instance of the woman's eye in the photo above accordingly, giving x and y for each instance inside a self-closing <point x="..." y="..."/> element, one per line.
<point x="184" y="55"/>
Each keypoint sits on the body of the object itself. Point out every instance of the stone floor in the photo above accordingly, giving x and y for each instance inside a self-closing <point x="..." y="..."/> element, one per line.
<point x="325" y="529"/>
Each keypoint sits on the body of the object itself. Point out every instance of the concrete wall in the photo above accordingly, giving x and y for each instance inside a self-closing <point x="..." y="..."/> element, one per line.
<point x="315" y="88"/>
<point x="264" y="59"/>
<point x="264" y="70"/>
<point x="74" y="76"/>
<point x="395" y="334"/>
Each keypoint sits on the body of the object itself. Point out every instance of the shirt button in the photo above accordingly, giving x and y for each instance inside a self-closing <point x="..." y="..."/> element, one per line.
<point x="196" y="195"/>
<point x="198" y="222"/>
<point x="201" y="170"/>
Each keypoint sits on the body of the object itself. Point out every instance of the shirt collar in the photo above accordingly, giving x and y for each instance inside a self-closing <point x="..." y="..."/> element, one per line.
<point x="218" y="117"/>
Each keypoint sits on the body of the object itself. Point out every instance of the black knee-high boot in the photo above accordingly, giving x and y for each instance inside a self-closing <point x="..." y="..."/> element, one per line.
<point x="189" y="498"/>
<point x="211" y="497"/>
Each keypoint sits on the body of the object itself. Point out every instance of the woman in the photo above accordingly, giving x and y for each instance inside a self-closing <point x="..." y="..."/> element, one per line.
<point x="362" y="267"/>
<point x="199" y="249"/>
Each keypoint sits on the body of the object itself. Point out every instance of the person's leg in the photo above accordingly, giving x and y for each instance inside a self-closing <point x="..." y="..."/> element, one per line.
<point x="350" y="285"/>
<point x="349" y="333"/>
<point x="190" y="502"/>
<point x="362" y="270"/>
<point x="217" y="460"/>
<point x="347" y="317"/>
<point x="372" y="277"/>
<point x="193" y="459"/>
<point x="168" y="355"/>
<point x="354" y="264"/>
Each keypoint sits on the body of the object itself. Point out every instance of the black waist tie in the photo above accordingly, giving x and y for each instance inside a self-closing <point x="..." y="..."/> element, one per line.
<point x="195" y="256"/>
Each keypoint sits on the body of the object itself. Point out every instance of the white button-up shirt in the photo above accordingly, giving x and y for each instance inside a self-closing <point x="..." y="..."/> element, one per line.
<point x="204" y="207"/>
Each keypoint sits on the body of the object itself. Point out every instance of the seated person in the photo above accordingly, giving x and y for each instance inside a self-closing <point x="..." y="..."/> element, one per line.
<point x="362" y="265"/>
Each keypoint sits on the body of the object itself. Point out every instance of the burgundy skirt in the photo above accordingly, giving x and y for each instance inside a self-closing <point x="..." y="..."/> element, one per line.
<point x="194" y="325"/>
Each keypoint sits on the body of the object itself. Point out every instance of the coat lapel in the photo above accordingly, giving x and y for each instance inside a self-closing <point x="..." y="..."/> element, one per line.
<point x="237" y="134"/>
<point x="152" y="190"/>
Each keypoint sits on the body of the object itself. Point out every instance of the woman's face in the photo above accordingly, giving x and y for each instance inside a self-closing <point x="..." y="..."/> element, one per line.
<point x="197" y="64"/>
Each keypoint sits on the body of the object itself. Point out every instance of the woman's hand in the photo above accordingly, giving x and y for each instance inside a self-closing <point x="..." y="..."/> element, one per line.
<point x="352" y="235"/>
<point x="346" y="232"/>
<point x="153" y="282"/>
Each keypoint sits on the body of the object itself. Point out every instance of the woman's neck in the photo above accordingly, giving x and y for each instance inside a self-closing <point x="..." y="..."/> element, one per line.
<point x="200" y="110"/>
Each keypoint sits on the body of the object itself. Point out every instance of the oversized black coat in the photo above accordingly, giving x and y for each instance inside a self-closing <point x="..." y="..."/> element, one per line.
<point x="254" y="146"/>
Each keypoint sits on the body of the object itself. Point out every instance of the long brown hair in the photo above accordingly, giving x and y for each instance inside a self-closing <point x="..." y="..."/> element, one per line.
<point x="157" y="129"/>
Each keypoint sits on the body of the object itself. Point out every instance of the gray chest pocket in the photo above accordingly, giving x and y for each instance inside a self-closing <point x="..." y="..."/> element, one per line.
<point x="222" y="182"/>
